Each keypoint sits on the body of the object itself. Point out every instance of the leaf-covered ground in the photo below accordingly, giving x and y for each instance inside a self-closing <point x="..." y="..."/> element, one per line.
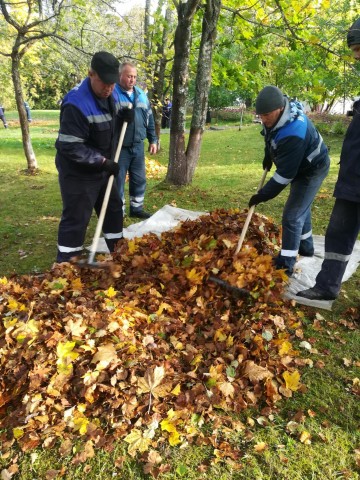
<point x="150" y="350"/>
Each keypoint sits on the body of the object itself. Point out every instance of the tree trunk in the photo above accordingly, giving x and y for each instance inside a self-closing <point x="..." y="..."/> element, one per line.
<point x="177" y="173"/>
<point x="159" y="82"/>
<point x="202" y="84"/>
<point x="28" y="149"/>
<point x="147" y="50"/>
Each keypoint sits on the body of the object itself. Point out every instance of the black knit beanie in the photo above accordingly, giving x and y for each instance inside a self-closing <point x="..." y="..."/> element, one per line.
<point x="269" y="99"/>
<point x="353" y="36"/>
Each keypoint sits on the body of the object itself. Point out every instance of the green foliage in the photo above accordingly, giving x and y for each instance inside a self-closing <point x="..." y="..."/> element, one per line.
<point x="338" y="128"/>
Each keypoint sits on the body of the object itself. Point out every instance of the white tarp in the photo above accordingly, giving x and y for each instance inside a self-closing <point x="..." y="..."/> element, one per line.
<point x="161" y="221"/>
<point x="306" y="269"/>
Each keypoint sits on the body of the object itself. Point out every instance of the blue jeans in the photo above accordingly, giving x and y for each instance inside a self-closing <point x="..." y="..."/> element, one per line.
<point x="340" y="238"/>
<point x="296" y="219"/>
<point x="132" y="161"/>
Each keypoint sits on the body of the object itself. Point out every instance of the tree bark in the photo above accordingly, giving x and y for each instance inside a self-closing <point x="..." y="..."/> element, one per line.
<point x="177" y="173"/>
<point x="160" y="70"/>
<point x="202" y="84"/>
<point x="147" y="43"/>
<point x="182" y="160"/>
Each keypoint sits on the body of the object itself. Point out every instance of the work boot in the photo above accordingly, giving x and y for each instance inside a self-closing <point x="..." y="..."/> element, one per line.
<point x="315" y="293"/>
<point x="139" y="213"/>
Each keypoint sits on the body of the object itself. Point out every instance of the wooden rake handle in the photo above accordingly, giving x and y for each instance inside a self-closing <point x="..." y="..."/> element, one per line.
<point x="249" y="215"/>
<point x="104" y="206"/>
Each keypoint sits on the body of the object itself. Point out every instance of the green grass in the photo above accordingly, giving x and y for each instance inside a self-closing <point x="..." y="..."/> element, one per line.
<point x="228" y="173"/>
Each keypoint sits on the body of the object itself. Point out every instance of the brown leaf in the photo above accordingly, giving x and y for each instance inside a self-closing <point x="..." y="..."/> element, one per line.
<point x="256" y="373"/>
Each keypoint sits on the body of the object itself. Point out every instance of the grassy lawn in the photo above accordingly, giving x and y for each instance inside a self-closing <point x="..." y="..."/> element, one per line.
<point x="315" y="435"/>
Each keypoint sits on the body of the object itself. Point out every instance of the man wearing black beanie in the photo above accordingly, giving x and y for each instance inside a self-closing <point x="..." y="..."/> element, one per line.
<point x="301" y="159"/>
<point x="344" y="224"/>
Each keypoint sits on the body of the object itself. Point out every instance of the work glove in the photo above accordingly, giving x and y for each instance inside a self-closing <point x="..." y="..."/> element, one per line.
<point x="256" y="199"/>
<point x="111" y="167"/>
<point x="267" y="163"/>
<point x="126" y="115"/>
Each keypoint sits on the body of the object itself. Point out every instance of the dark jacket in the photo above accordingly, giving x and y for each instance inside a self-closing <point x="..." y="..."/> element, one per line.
<point x="348" y="183"/>
<point x="87" y="130"/>
<point x="143" y="125"/>
<point x="295" y="147"/>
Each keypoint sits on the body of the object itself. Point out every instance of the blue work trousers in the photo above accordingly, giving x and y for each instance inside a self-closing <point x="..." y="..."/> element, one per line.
<point x="296" y="220"/>
<point x="132" y="162"/>
<point x="80" y="195"/>
<point x="340" y="238"/>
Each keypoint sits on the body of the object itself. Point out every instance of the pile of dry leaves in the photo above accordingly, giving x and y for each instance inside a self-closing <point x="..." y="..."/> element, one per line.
<point x="154" y="351"/>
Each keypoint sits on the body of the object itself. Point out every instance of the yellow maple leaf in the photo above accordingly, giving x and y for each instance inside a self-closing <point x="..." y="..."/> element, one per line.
<point x="230" y="341"/>
<point x="66" y="355"/>
<point x="285" y="348"/>
<point x="137" y="441"/>
<point x="81" y="424"/>
<point x="292" y="380"/>
<point x="164" y="306"/>
<point x="305" y="437"/>
<point x="3" y="281"/>
<point x="77" y="284"/>
<point x="110" y="292"/>
<point x="12" y="304"/>
<point x="18" y="432"/>
<point x="194" y="277"/>
<point x="65" y="350"/>
<point x="176" y="390"/>
<point x="197" y="359"/>
<point x="220" y="335"/>
<point x="260" y="447"/>
<point x="174" y="438"/>
<point x="132" y="246"/>
<point x="167" y="425"/>
<point x="9" y="322"/>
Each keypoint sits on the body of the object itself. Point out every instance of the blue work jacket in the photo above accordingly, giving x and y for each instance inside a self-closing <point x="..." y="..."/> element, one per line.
<point x="295" y="147"/>
<point x="143" y="125"/>
<point x="87" y="130"/>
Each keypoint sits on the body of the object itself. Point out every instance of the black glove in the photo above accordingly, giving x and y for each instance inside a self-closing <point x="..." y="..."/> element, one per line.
<point x="267" y="163"/>
<point x="111" y="167"/>
<point x="126" y="115"/>
<point x="255" y="199"/>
